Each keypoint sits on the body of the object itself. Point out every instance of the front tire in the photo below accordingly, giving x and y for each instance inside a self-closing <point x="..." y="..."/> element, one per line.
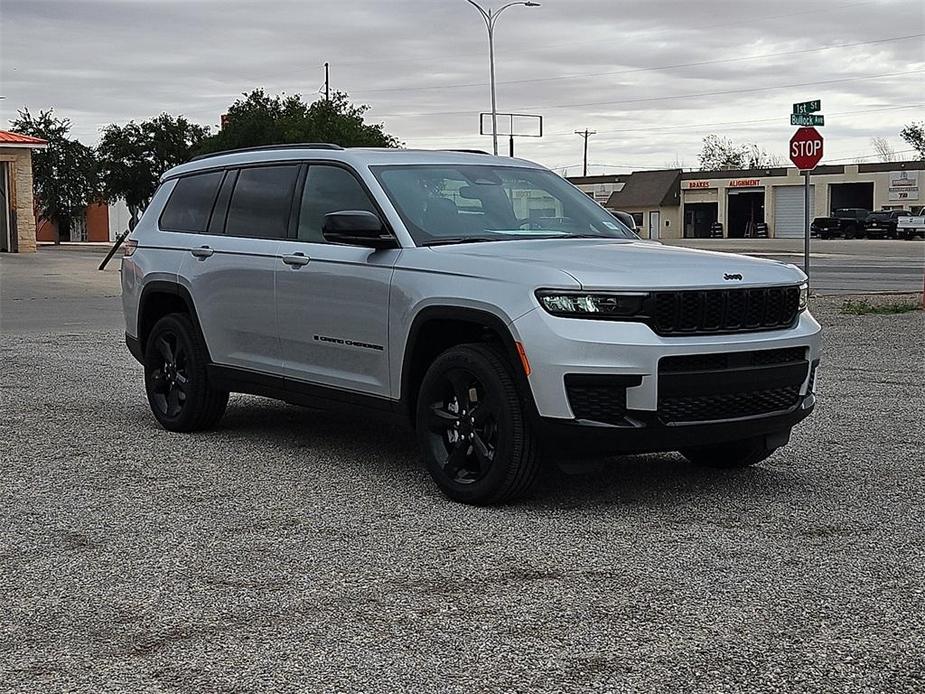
<point x="735" y="454"/>
<point x="176" y="379"/>
<point x="471" y="423"/>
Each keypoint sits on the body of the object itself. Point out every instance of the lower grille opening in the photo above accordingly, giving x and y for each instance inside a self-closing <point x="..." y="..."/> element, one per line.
<point x="731" y="385"/>
<point x="704" y="408"/>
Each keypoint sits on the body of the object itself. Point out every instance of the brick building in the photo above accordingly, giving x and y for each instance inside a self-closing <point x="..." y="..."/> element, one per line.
<point x="17" y="220"/>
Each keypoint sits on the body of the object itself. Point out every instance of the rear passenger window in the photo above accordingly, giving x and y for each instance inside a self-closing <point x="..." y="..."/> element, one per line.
<point x="261" y="202"/>
<point x="329" y="189"/>
<point x="190" y="203"/>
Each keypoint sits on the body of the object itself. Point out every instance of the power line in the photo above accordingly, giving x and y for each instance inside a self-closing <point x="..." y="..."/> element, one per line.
<point x="660" y="98"/>
<point x="642" y="69"/>
<point x="695" y="27"/>
<point x="687" y="126"/>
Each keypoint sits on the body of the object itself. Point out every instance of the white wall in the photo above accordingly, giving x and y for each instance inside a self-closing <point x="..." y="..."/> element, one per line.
<point x="118" y="218"/>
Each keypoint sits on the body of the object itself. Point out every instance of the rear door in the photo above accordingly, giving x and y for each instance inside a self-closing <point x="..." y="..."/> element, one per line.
<point x="230" y="269"/>
<point x="333" y="299"/>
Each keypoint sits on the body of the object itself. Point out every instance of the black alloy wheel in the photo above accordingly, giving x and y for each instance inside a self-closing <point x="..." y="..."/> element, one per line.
<point x="176" y="377"/>
<point x="464" y="427"/>
<point x="169" y="379"/>
<point x="477" y="442"/>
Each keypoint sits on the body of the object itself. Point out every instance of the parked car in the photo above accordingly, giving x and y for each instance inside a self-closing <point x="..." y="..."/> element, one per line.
<point x="882" y="224"/>
<point x="911" y="225"/>
<point x="627" y="219"/>
<point x="847" y="222"/>
<point x="315" y="274"/>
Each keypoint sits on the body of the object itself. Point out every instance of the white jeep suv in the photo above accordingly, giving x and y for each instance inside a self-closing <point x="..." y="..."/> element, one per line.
<point x="498" y="307"/>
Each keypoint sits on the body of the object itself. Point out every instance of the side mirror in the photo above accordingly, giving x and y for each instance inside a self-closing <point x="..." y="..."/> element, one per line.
<point x="357" y="228"/>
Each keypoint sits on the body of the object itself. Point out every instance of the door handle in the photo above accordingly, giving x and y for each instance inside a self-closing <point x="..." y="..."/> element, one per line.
<point x="202" y="252"/>
<point x="296" y="260"/>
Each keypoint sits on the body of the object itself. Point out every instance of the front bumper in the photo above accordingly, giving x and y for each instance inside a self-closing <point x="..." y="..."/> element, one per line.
<point x="556" y="347"/>
<point x="586" y="438"/>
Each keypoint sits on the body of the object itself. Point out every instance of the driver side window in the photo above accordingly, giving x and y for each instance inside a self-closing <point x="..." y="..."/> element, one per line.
<point x="329" y="189"/>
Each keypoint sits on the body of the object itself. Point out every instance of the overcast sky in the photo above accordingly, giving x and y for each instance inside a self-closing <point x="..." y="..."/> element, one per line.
<point x="652" y="77"/>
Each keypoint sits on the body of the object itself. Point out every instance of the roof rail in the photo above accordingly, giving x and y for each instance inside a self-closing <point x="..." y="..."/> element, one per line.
<point x="467" y="151"/>
<point x="269" y="148"/>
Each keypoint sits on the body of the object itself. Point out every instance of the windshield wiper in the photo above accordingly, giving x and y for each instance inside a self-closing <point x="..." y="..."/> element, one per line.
<point x="459" y="239"/>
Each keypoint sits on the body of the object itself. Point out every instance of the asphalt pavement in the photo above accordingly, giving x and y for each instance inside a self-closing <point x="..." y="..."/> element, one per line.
<point x="297" y="550"/>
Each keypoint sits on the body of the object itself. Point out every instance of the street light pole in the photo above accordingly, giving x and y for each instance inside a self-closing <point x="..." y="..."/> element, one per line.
<point x="491" y="16"/>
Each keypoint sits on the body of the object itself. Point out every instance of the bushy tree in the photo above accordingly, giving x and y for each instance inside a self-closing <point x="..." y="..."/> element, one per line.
<point x="65" y="175"/>
<point x="914" y="134"/>
<point x="133" y="156"/>
<point x="261" y="119"/>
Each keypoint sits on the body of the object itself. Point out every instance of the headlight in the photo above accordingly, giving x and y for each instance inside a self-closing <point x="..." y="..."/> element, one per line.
<point x="804" y="295"/>
<point x="591" y="305"/>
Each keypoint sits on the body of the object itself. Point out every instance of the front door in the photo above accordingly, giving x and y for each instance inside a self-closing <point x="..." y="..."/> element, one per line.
<point x="332" y="299"/>
<point x="5" y="244"/>
<point x="654" y="222"/>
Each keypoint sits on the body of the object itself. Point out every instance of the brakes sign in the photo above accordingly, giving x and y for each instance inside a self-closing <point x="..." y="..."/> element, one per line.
<point x="806" y="148"/>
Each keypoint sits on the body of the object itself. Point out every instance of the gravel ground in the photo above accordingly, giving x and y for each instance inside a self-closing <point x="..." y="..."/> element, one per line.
<point x="296" y="550"/>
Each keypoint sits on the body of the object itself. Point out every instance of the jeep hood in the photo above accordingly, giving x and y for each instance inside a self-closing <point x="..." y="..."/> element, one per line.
<point x="631" y="264"/>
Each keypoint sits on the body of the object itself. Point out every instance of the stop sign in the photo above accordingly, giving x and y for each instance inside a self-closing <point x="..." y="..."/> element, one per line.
<point x="806" y="148"/>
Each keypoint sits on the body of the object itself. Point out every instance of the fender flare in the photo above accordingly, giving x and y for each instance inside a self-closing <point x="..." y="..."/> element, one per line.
<point x="478" y="317"/>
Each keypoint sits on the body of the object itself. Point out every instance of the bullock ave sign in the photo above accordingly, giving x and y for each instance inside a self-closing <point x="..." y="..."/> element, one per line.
<point x="806" y="148"/>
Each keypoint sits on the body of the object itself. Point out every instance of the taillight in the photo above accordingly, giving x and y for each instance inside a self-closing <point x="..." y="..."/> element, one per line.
<point x="128" y="247"/>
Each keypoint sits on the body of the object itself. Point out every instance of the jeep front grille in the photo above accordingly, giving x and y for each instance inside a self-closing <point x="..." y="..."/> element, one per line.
<point x="722" y="310"/>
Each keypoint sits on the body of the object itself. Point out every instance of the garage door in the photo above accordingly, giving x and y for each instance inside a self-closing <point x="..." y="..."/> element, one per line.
<point x="788" y="210"/>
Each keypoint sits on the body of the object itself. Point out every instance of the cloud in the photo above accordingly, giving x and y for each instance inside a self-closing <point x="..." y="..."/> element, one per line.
<point x="653" y="78"/>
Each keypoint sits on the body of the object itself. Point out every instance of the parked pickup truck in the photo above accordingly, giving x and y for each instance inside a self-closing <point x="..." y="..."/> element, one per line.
<point x="846" y="221"/>
<point x="882" y="223"/>
<point x="910" y="226"/>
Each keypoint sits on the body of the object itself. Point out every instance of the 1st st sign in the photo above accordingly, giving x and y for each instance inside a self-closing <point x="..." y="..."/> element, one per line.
<point x="807" y="107"/>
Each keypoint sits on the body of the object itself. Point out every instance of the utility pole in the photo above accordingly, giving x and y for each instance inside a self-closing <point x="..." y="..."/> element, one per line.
<point x="585" y="134"/>
<point x="327" y="83"/>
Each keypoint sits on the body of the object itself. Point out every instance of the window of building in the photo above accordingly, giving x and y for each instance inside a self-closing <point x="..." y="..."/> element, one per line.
<point x="190" y="203"/>
<point x="261" y="202"/>
<point x="329" y="189"/>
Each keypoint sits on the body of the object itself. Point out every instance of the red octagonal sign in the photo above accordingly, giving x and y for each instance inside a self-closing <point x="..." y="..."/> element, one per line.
<point x="806" y="148"/>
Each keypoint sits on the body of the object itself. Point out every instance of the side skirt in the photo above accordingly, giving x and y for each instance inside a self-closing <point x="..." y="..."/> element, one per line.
<point x="236" y="380"/>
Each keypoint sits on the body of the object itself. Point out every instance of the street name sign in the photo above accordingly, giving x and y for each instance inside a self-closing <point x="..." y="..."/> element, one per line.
<point x="807" y="119"/>
<point x="808" y="106"/>
<point x="806" y="148"/>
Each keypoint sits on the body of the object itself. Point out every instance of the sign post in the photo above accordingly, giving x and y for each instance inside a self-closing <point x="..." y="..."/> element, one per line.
<point x="805" y="153"/>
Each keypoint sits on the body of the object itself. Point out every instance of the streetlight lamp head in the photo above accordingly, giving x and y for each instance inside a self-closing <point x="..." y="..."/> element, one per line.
<point x="531" y="4"/>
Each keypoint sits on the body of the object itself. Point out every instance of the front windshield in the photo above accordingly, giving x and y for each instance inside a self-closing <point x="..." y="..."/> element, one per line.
<point x="459" y="203"/>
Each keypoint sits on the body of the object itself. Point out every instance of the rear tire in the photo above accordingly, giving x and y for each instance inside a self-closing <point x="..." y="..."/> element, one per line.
<point x="735" y="454"/>
<point x="176" y="377"/>
<point x="473" y="429"/>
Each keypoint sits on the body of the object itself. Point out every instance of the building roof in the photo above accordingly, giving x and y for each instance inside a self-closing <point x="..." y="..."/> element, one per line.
<point x="648" y="189"/>
<point x="602" y="178"/>
<point x="8" y="139"/>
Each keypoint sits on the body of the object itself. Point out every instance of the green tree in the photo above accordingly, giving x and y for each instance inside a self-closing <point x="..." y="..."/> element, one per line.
<point x="261" y="119"/>
<point x="65" y="175"/>
<point x="914" y="134"/>
<point x="133" y="156"/>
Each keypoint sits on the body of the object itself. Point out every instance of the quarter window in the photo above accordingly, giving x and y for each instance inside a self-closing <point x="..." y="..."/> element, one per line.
<point x="190" y="203"/>
<point x="329" y="189"/>
<point x="261" y="202"/>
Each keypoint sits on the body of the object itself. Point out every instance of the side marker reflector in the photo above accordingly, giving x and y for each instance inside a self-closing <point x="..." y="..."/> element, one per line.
<point x="523" y="358"/>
